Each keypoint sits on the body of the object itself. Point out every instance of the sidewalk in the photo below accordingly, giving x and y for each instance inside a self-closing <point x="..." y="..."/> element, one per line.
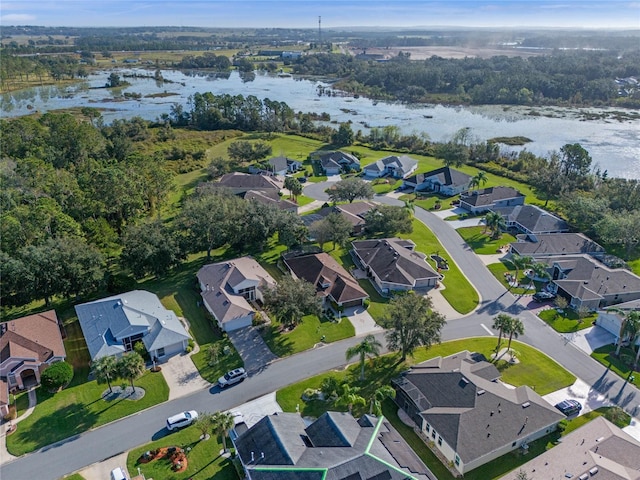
<point x="5" y="456"/>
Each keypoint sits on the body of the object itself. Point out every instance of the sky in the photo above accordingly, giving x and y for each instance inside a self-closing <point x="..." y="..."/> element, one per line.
<point x="335" y="13"/>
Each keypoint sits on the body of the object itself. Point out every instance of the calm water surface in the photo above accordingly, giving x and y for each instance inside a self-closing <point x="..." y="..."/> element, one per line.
<point x="614" y="145"/>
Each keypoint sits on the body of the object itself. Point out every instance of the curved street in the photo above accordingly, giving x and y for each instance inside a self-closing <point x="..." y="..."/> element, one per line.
<point x="72" y="454"/>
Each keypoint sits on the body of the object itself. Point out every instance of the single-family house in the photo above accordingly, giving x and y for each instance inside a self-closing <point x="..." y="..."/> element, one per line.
<point x="334" y="163"/>
<point x="354" y="213"/>
<point x="336" y="446"/>
<point x="554" y="245"/>
<point x="531" y="220"/>
<point x="612" y="320"/>
<point x="479" y="201"/>
<point x="272" y="199"/>
<point x="227" y="288"/>
<point x="585" y="282"/>
<point x="28" y="345"/>
<point x="596" y="450"/>
<point x="277" y="166"/>
<point x="445" y="181"/>
<point x="112" y="326"/>
<point x="458" y="404"/>
<point x="393" y="264"/>
<point x="334" y="285"/>
<point x="240" y="183"/>
<point x="393" y="166"/>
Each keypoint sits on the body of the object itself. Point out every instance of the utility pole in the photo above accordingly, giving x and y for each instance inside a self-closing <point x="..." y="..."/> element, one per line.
<point x="320" y="31"/>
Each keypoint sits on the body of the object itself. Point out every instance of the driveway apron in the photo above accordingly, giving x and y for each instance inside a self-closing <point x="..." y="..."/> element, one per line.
<point x="251" y="347"/>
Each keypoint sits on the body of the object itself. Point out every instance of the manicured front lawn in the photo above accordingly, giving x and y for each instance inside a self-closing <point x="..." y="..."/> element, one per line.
<point x="566" y="322"/>
<point x="383" y="186"/>
<point x="302" y="200"/>
<point x="377" y="303"/>
<point x="500" y="268"/>
<point x="458" y="292"/>
<point x="75" y="476"/>
<point x="305" y="335"/>
<point x="203" y="459"/>
<point x="80" y="408"/>
<point x="481" y="242"/>
<point x="606" y="356"/>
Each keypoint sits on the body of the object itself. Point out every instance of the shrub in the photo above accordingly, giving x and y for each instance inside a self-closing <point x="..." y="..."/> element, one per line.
<point x="310" y="394"/>
<point x="189" y="349"/>
<point x="57" y="376"/>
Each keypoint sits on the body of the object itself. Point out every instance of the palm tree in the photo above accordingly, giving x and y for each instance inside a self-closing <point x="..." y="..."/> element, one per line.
<point x="496" y="223"/>
<point x="501" y="323"/>
<point x="385" y="391"/>
<point x="105" y="369"/>
<point x="222" y="422"/>
<point x="514" y="328"/>
<point x="539" y="270"/>
<point x="519" y="262"/>
<point x="410" y="206"/>
<point x="349" y="396"/>
<point x="130" y="367"/>
<point x="368" y="347"/>
<point x="630" y="326"/>
<point x="477" y="179"/>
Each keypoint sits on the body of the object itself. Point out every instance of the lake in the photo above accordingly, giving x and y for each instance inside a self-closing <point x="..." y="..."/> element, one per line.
<point x="613" y="144"/>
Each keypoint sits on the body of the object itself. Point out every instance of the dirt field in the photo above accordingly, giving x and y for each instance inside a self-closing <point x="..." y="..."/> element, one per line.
<point x="421" y="53"/>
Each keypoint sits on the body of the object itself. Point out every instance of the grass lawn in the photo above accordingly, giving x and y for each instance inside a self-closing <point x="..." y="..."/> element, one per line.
<point x="204" y="459"/>
<point x="302" y="200"/>
<point x="621" y="366"/>
<point x="566" y="322"/>
<point x="482" y="243"/>
<point x="75" y="476"/>
<point x="77" y="409"/>
<point x="500" y="268"/>
<point x="377" y="303"/>
<point x="383" y="186"/>
<point x="305" y="335"/>
<point x="459" y="292"/>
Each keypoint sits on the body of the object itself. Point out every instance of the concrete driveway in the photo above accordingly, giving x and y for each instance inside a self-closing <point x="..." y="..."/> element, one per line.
<point x="182" y="376"/>
<point x="589" y="398"/>
<point x="251" y="347"/>
<point x="362" y="321"/>
<point x="590" y="338"/>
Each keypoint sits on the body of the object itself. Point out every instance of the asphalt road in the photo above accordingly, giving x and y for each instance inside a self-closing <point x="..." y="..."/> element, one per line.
<point x="54" y="461"/>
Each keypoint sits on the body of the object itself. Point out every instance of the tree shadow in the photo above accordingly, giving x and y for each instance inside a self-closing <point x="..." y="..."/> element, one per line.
<point x="277" y="341"/>
<point x="58" y="425"/>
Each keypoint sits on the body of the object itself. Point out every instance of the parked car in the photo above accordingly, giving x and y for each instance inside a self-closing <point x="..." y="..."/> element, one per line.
<point x="569" y="407"/>
<point x="232" y="377"/>
<point x="181" y="419"/>
<point x="543" y="296"/>
<point x="118" y="474"/>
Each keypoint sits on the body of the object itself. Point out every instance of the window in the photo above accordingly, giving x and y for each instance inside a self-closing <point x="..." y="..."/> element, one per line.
<point x="160" y="352"/>
<point x="457" y="460"/>
<point x="514" y="444"/>
<point x="129" y="342"/>
<point x="439" y="440"/>
<point x="428" y="428"/>
<point x="433" y="433"/>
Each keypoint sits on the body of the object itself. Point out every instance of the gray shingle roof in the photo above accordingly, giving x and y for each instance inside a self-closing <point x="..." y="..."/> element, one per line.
<point x="393" y="262"/>
<point x="336" y="445"/>
<point x="403" y="162"/>
<point x="445" y="176"/>
<point x="249" y="182"/>
<point x="557" y="244"/>
<point x="533" y="219"/>
<point x="489" y="196"/>
<point x="473" y="415"/>
<point x="107" y="321"/>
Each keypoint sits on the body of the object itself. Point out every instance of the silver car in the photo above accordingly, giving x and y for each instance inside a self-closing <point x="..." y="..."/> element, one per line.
<point x="231" y="378"/>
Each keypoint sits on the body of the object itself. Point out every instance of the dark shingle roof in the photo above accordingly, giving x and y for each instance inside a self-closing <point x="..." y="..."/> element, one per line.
<point x="489" y="196"/>
<point x="533" y="219"/>
<point x="446" y="176"/>
<point x="393" y="262"/>
<point x="473" y="415"/>
<point x="557" y="244"/>
<point x="249" y="182"/>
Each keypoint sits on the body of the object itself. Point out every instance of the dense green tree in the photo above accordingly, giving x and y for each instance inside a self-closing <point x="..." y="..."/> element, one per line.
<point x="130" y="367"/>
<point x="350" y="189"/>
<point x="452" y="153"/>
<point x="584" y="211"/>
<point x="368" y="347"/>
<point x="294" y="186"/>
<point x="575" y="161"/>
<point x="105" y="369"/>
<point x="411" y="323"/>
<point x="620" y="228"/>
<point x="343" y="137"/>
<point x="150" y="248"/>
<point x="56" y="376"/>
<point x="292" y="299"/>
<point x="389" y="220"/>
<point x="292" y="231"/>
<point x="245" y="151"/>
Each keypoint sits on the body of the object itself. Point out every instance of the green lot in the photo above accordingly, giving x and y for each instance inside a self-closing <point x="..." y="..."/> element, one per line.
<point x="567" y="321"/>
<point x="620" y="365"/>
<point x="203" y="459"/>
<point x="77" y="409"/>
<point x="481" y="242"/>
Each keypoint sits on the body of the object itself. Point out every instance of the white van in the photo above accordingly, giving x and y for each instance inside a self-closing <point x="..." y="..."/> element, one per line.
<point x="118" y="474"/>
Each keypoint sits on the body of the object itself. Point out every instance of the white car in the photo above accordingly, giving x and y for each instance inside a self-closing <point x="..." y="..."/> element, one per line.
<point x="181" y="419"/>
<point x="232" y="377"/>
<point x="118" y="474"/>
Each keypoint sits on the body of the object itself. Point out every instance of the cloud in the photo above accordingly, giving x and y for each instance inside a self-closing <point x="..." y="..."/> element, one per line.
<point x="17" y="18"/>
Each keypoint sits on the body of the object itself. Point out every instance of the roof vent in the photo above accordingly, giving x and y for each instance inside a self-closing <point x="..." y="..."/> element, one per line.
<point x="584" y="476"/>
<point x="464" y="380"/>
<point x="526" y="404"/>
<point x="599" y="439"/>
<point x="480" y="392"/>
<point x="593" y="471"/>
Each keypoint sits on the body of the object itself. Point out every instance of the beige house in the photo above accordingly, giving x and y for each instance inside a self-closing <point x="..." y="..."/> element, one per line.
<point x="229" y="289"/>
<point x="28" y="345"/>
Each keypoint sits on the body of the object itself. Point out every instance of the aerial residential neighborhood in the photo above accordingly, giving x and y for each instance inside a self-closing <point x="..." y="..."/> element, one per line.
<point x="282" y="250"/>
